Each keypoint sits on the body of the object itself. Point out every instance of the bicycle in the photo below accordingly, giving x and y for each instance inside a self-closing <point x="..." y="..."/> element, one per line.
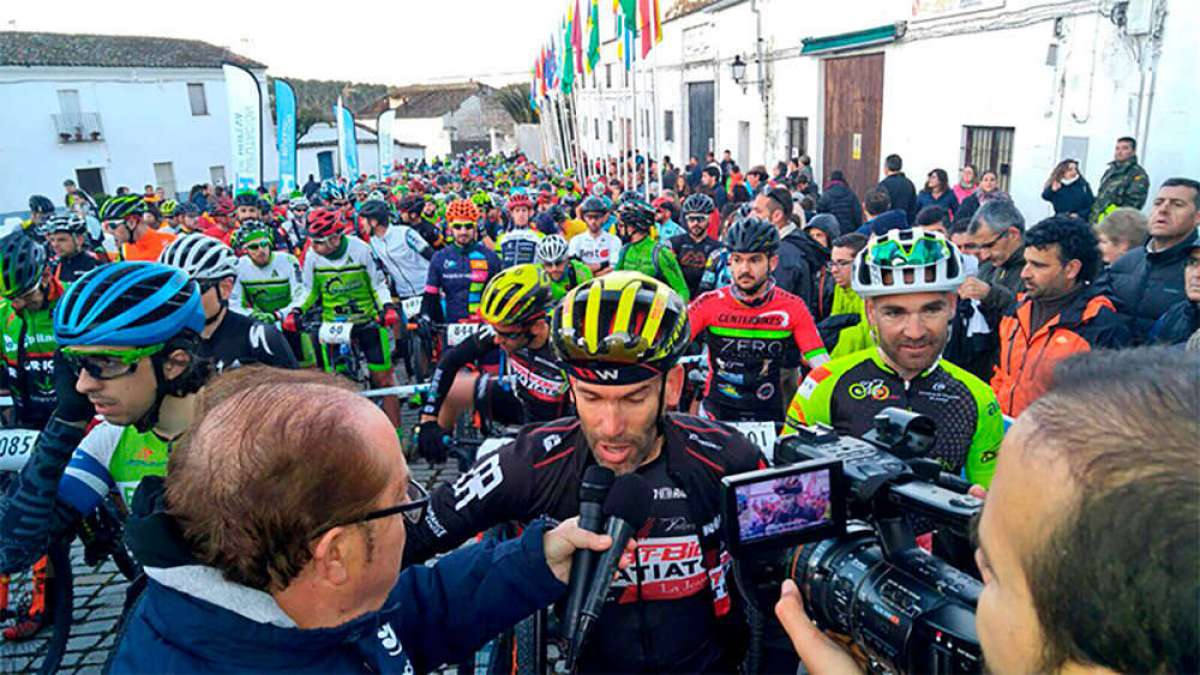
<point x="344" y="352"/>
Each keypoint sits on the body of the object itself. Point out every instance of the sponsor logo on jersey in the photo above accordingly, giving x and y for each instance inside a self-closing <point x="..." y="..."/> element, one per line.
<point x="669" y="493"/>
<point x="773" y="319"/>
<point x="874" y="389"/>
<point x="669" y="568"/>
<point x="538" y="385"/>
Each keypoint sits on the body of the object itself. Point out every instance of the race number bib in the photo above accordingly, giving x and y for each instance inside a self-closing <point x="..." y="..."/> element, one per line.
<point x="411" y="306"/>
<point x="15" y="447"/>
<point x="457" y="332"/>
<point x="761" y="434"/>
<point x="335" y="333"/>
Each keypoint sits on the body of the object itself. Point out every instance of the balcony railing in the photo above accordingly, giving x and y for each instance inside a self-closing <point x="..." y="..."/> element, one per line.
<point x="78" y="127"/>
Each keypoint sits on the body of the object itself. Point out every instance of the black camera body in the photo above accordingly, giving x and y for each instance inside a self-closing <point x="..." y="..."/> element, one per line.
<point x="857" y="563"/>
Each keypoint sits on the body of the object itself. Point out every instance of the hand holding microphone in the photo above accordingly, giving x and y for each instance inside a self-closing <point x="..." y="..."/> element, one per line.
<point x="592" y="492"/>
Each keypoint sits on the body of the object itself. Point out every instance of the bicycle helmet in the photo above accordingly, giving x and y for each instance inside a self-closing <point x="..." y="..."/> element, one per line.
<point x="519" y="199"/>
<point x="377" y="195"/>
<point x="907" y="261"/>
<point x="253" y="230"/>
<point x="246" y="198"/>
<point x="202" y="257"/>
<point x="325" y="222"/>
<point x="698" y="203"/>
<point x="376" y="209"/>
<point x="120" y="208"/>
<point x="187" y="209"/>
<point x="128" y="304"/>
<point x="412" y="204"/>
<point x="594" y="204"/>
<point x="481" y="199"/>
<point x="298" y="203"/>
<point x="462" y="211"/>
<point x="552" y="249"/>
<point x="621" y="328"/>
<point x="40" y="204"/>
<point x="637" y="214"/>
<point x="69" y="223"/>
<point x="751" y="235"/>
<point x="22" y="264"/>
<point x="516" y="296"/>
<point x="168" y="208"/>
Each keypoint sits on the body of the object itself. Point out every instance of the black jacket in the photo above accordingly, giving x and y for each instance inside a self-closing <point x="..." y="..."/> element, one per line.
<point x="1145" y="285"/>
<point x="1006" y="283"/>
<point x="840" y="201"/>
<point x="885" y="222"/>
<point x="800" y="260"/>
<point x="1175" y="327"/>
<point x="903" y="194"/>
<point x="1074" y="199"/>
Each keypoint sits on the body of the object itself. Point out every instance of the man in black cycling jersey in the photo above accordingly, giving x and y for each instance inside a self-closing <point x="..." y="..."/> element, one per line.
<point x="229" y="339"/>
<point x="67" y="235"/>
<point x="514" y="305"/>
<point x="620" y="337"/>
<point x="693" y="248"/>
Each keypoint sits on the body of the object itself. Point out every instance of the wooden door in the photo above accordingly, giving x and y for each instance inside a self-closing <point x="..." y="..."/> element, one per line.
<point x="701" y="118"/>
<point x="853" y="119"/>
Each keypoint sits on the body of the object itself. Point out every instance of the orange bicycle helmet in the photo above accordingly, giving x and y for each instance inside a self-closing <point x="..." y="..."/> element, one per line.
<point x="462" y="211"/>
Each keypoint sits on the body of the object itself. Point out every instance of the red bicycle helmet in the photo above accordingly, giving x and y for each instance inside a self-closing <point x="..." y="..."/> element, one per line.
<point x="520" y="199"/>
<point x="325" y="222"/>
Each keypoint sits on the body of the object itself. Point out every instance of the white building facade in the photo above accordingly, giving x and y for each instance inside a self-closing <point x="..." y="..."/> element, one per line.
<point x="316" y="152"/>
<point x="110" y="111"/>
<point x="1010" y="85"/>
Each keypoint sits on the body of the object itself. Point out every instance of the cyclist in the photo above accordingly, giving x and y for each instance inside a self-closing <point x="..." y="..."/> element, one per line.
<point x="295" y="224"/>
<point x="187" y="219"/>
<point x="908" y="281"/>
<point x="404" y="254"/>
<point x="458" y="272"/>
<point x="694" y="247"/>
<point x="597" y="248"/>
<point x="341" y="277"/>
<point x="229" y="339"/>
<point x="411" y="208"/>
<point x="514" y="305"/>
<point x="122" y="218"/>
<point x="620" y="337"/>
<point x="565" y="272"/>
<point x="267" y="282"/>
<point x="40" y="210"/>
<point x="518" y="245"/>
<point x="757" y="334"/>
<point x="67" y="236"/>
<point x="643" y="254"/>
<point x="666" y="218"/>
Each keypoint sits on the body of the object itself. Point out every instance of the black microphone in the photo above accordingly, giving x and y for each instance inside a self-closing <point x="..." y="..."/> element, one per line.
<point x="592" y="493"/>
<point x="627" y="508"/>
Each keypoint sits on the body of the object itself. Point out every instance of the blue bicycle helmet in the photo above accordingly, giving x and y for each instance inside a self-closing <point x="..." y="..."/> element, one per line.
<point x="128" y="304"/>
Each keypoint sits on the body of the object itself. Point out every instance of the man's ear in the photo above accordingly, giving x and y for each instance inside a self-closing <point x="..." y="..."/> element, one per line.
<point x="176" y="364"/>
<point x="674" y="386"/>
<point x="329" y="556"/>
<point x="1072" y="268"/>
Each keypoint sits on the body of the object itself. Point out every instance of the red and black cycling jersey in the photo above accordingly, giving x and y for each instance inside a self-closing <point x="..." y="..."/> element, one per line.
<point x="749" y="347"/>
<point x="693" y="256"/>
<point x="541" y="384"/>
<point x="670" y="611"/>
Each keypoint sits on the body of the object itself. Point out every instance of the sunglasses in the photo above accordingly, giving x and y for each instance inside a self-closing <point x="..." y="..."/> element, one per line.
<point x="462" y="226"/>
<point x="258" y="246"/>
<point x="323" y="241"/>
<point x="413" y="508"/>
<point x="108" y="364"/>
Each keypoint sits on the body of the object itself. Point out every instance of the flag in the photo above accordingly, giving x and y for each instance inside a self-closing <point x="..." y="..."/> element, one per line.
<point x="647" y="27"/>
<point x="621" y="40"/>
<point x="383" y="139"/>
<point x="629" y="11"/>
<point x="657" y="24"/>
<point x="568" y="66"/>
<point x="577" y="38"/>
<point x="244" y="102"/>
<point x="593" y="55"/>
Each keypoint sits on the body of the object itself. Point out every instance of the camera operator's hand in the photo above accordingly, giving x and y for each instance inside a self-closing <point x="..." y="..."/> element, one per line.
<point x="820" y="653"/>
<point x="978" y="492"/>
<point x="561" y="543"/>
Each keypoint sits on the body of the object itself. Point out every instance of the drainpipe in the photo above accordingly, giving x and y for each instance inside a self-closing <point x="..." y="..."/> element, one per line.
<point x="759" y="61"/>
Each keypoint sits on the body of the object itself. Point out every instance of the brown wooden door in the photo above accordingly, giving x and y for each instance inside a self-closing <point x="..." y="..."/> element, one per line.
<point x="853" y="117"/>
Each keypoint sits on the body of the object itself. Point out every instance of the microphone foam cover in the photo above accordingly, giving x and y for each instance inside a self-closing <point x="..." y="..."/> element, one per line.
<point x="596" y="482"/>
<point x="629" y="500"/>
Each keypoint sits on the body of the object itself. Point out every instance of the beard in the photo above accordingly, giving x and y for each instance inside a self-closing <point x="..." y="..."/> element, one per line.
<point x="901" y="351"/>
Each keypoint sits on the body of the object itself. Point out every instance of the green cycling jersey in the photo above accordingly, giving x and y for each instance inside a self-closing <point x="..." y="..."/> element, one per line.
<point x="574" y="274"/>
<point x="654" y="259"/>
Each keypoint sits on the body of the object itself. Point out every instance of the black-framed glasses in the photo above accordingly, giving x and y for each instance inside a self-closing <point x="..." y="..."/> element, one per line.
<point x="416" y="500"/>
<point x="991" y="244"/>
<point x="257" y="246"/>
<point x="108" y="364"/>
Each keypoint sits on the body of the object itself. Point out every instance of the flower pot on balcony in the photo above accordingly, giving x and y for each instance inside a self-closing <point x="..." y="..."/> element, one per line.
<point x="95" y="135"/>
<point x="64" y="137"/>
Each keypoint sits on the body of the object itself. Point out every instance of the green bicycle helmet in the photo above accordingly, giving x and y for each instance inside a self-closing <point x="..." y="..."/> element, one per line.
<point x="120" y="208"/>
<point x="22" y="264"/>
<point x="907" y="261"/>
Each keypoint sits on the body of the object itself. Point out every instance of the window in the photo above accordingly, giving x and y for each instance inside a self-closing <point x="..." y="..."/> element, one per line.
<point x="325" y="164"/>
<point x="608" y="76"/>
<point x="217" y="175"/>
<point x="90" y="181"/>
<point x="668" y="125"/>
<point x="797" y="136"/>
<point x="989" y="149"/>
<point x="610" y="131"/>
<point x="597" y="125"/>
<point x="164" y="177"/>
<point x="196" y="97"/>
<point x="68" y="102"/>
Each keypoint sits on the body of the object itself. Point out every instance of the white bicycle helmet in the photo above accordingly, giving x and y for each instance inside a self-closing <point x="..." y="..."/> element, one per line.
<point x="552" y="249"/>
<point x="297" y="202"/>
<point x="907" y="261"/>
<point x="201" y="257"/>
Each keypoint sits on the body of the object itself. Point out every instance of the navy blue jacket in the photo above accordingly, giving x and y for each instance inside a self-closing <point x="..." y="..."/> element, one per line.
<point x="1074" y="199"/>
<point x="1145" y="285"/>
<point x="885" y="222"/>
<point x="191" y="620"/>
<point x="902" y="193"/>
<point x="947" y="201"/>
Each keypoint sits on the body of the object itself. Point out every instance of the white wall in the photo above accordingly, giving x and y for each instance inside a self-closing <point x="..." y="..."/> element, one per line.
<point x="368" y="151"/>
<point x="427" y="131"/>
<point x="146" y="118"/>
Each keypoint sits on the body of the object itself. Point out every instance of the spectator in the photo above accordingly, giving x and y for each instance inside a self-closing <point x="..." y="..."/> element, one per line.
<point x="756" y="180"/>
<point x="727" y="163"/>
<point x="78" y="200"/>
<point x="960" y="236"/>
<point x="710" y="184"/>
<point x="937" y="192"/>
<point x="934" y="219"/>
<point x="808" y="208"/>
<point x="1120" y="231"/>
<point x="666" y="215"/>
<point x="965" y="187"/>
<point x="1067" y="191"/>
<point x="1180" y="325"/>
<point x="808" y="188"/>
<point x="311" y="187"/>
<point x="804" y="165"/>
<point x="799" y="255"/>
<point x="1148" y="280"/>
<point x="1062" y="312"/>
<point x="881" y="216"/>
<point x="844" y="328"/>
<point x="821" y="230"/>
<point x="1125" y="183"/>
<point x="989" y="186"/>
<point x="901" y="192"/>
<point x="694" y="169"/>
<point x="996" y="231"/>
<point x="681" y="185"/>
<point x="841" y="202"/>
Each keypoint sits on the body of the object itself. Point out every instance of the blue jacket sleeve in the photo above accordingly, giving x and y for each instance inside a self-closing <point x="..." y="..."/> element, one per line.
<point x="448" y="611"/>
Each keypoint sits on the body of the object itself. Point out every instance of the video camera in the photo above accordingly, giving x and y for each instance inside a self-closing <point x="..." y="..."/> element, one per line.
<point x="836" y="515"/>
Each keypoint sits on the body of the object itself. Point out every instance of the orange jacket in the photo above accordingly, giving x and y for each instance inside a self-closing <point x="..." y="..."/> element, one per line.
<point x="147" y="248"/>
<point x="1027" y="361"/>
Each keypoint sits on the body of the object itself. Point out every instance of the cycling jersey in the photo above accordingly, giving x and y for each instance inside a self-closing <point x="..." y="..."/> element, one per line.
<point x="750" y="347"/>
<point x="654" y="259"/>
<point x="348" y="285"/>
<point x="671" y="611"/>
<point x="111" y="456"/>
<point x="262" y="291"/>
<point x="459" y="274"/>
<point x="240" y="340"/>
<point x="848" y="392"/>
<point x="518" y="246"/>
<point x="693" y="256"/>
<point x="28" y="351"/>
<point x="148" y="247"/>
<point x="541" y="382"/>
<point x="574" y="273"/>
<point x="602" y="249"/>
<point x="405" y="257"/>
<point x="716" y="271"/>
<point x="67" y="270"/>
<point x="295" y="233"/>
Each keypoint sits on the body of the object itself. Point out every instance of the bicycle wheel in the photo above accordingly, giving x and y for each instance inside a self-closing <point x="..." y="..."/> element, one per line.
<point x="60" y="603"/>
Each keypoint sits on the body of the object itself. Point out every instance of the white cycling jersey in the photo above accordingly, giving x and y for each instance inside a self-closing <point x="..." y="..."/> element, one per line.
<point x="603" y="248"/>
<point x="405" y="256"/>
<point x="268" y="288"/>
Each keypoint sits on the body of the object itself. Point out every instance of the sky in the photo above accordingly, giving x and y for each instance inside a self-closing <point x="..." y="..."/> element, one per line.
<point x="398" y="42"/>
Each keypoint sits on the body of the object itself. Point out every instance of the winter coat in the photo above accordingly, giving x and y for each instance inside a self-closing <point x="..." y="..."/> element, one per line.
<point x="1145" y="284"/>
<point x="1074" y="199"/>
<point x="902" y="193"/>
<point x="884" y="223"/>
<point x="947" y="201"/>
<point x="1123" y="184"/>
<point x="840" y="201"/>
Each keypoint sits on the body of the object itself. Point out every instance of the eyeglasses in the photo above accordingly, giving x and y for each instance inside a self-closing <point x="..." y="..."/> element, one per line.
<point x="413" y="508"/>
<point x="108" y="364"/>
<point x="696" y="219"/>
<point x="991" y="244"/>
<point x="461" y="226"/>
<point x="256" y="246"/>
<point x="514" y="336"/>
<point x="840" y="264"/>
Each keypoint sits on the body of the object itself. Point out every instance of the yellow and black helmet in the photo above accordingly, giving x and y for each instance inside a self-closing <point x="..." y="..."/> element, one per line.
<point x="517" y="295"/>
<point x="621" y="328"/>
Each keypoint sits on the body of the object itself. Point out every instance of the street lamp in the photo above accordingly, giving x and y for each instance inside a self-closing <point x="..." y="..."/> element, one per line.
<point x="738" y="68"/>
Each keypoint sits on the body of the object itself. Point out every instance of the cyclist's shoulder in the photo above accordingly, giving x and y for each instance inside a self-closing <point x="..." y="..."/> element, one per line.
<point x="827" y="375"/>
<point x="548" y="444"/>
<point x="718" y="297"/>
<point x="103" y="439"/>
<point x="983" y="394"/>
<point x="714" y="444"/>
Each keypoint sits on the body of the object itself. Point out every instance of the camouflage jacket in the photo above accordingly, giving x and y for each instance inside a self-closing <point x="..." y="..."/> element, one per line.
<point x="1124" y="184"/>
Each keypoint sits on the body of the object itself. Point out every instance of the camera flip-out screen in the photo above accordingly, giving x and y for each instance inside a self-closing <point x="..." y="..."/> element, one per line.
<point x="789" y="505"/>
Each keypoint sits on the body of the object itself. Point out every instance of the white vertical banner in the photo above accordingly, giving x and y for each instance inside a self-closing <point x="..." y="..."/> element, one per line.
<point x="341" y="138"/>
<point x="244" y="100"/>
<point x="383" y="135"/>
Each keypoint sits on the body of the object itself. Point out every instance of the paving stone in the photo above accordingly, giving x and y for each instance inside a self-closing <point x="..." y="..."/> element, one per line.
<point x="101" y="627"/>
<point x="82" y="642"/>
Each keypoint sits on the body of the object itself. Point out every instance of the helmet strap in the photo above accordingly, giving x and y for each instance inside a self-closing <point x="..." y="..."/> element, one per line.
<point x="660" y="421"/>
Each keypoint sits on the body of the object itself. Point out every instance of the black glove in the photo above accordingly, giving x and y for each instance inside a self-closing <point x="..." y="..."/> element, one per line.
<point x="73" y="407"/>
<point x="432" y="442"/>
